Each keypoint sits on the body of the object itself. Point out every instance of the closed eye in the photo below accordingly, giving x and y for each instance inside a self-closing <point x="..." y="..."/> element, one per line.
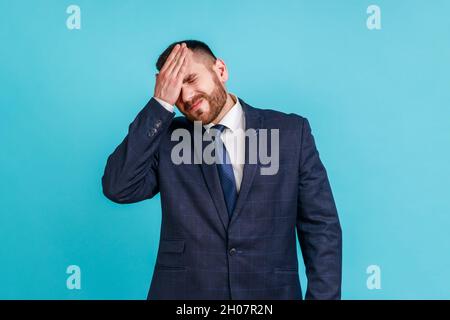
<point x="190" y="79"/>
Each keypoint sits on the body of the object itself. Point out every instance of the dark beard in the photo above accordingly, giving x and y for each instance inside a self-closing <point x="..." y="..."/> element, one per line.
<point x="216" y="101"/>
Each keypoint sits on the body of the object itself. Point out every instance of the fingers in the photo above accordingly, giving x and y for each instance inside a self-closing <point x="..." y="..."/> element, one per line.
<point x="175" y="60"/>
<point x="180" y="62"/>
<point x="170" y="78"/>
<point x="171" y="56"/>
<point x="183" y="67"/>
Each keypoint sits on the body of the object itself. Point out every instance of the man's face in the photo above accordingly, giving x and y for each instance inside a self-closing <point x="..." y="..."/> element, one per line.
<point x="202" y="95"/>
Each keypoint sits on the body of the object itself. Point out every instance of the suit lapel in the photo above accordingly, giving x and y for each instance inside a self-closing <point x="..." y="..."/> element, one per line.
<point x="252" y="121"/>
<point x="211" y="175"/>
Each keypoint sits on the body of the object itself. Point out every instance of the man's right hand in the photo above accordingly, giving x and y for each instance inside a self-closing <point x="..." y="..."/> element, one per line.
<point x="170" y="78"/>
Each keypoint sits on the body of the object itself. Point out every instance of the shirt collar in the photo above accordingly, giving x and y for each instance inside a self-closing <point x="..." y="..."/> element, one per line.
<point x="232" y="119"/>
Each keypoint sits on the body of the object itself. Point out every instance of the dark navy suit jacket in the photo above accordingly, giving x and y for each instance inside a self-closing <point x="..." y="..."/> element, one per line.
<point x="203" y="254"/>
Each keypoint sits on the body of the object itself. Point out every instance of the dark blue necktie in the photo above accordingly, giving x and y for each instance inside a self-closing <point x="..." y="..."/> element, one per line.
<point x="225" y="169"/>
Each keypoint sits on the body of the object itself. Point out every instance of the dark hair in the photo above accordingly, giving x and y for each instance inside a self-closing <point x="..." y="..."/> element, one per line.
<point x="194" y="45"/>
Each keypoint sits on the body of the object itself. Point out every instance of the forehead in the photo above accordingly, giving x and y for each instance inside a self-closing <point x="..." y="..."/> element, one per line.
<point x="195" y="67"/>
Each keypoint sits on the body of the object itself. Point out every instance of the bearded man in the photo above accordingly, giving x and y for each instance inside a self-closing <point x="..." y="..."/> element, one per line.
<point x="228" y="230"/>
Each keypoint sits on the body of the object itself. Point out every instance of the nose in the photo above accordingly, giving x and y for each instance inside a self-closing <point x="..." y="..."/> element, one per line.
<point x="187" y="94"/>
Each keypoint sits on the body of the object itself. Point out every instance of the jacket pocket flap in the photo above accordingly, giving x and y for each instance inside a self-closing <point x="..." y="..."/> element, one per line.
<point x="286" y="269"/>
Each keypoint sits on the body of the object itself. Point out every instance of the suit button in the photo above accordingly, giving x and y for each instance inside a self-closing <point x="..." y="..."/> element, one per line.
<point x="152" y="132"/>
<point x="232" y="251"/>
<point x="158" y="123"/>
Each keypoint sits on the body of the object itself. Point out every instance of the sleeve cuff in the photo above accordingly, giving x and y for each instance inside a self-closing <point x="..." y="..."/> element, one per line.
<point x="165" y="104"/>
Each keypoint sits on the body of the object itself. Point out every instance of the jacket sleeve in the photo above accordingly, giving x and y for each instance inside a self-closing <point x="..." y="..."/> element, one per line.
<point x="318" y="226"/>
<point x="131" y="172"/>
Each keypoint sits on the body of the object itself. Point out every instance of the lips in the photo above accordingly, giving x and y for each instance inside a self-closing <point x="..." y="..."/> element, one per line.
<point x="196" y="105"/>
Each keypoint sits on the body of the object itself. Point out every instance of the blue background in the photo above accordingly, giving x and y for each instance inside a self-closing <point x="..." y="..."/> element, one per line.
<point x="378" y="102"/>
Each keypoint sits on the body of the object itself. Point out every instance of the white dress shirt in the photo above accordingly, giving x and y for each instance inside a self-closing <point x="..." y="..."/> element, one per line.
<point x="233" y="137"/>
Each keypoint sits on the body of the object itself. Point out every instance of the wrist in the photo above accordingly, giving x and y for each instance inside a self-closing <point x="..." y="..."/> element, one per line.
<point x="168" y="106"/>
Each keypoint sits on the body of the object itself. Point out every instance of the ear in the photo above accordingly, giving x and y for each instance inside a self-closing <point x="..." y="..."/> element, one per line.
<point x="221" y="70"/>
